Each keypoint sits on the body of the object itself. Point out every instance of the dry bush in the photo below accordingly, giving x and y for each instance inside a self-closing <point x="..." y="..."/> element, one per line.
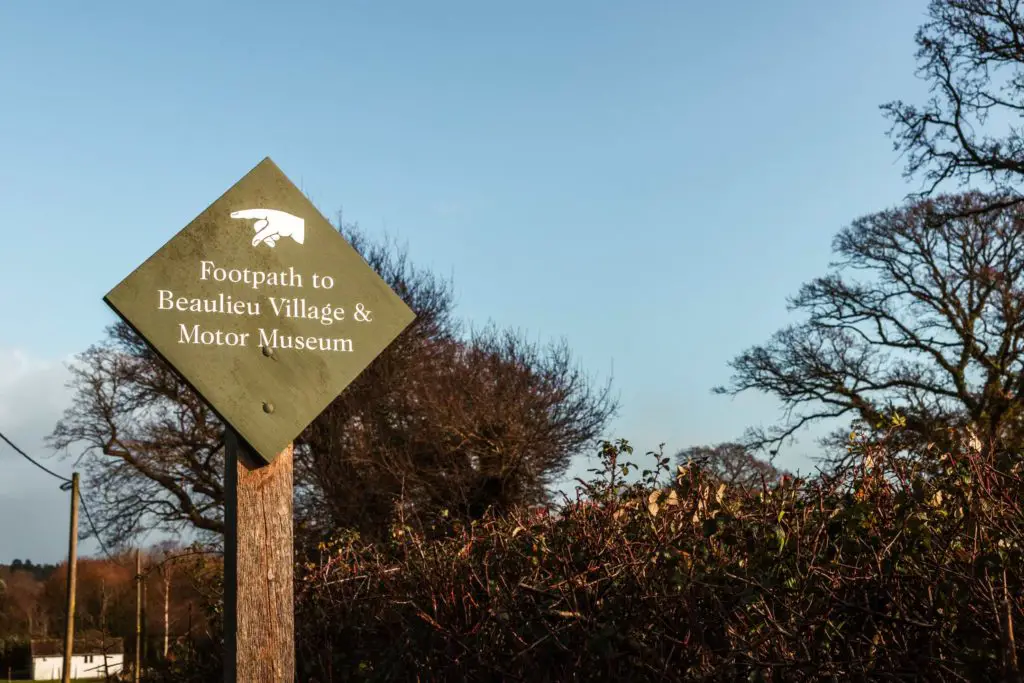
<point x="904" y="567"/>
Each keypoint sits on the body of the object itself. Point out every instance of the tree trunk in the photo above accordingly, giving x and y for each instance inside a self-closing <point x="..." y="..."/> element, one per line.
<point x="103" y="627"/>
<point x="145" y="623"/>
<point x="138" y="615"/>
<point x="167" y="608"/>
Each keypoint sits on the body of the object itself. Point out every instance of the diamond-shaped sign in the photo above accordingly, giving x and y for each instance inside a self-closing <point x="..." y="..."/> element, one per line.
<point x="263" y="308"/>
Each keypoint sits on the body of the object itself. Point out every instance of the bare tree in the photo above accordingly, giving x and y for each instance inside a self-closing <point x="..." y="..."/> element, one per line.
<point x="440" y="419"/>
<point x="20" y="606"/>
<point x="486" y="422"/>
<point x="150" y="448"/>
<point x="921" y="314"/>
<point x="446" y="420"/>
<point x="971" y="53"/>
<point x="731" y="463"/>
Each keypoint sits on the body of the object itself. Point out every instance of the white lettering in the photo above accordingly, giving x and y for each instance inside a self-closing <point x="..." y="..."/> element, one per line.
<point x="197" y="335"/>
<point x="276" y="340"/>
<point x="187" y="336"/>
<point x="254" y="278"/>
<point x="326" y="314"/>
<point x="223" y="304"/>
<point x="268" y="342"/>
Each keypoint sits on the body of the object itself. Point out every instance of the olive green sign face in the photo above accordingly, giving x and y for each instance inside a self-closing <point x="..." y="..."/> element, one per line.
<point x="263" y="308"/>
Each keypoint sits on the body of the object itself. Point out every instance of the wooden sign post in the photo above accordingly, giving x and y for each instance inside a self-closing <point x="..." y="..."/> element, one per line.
<point x="258" y="566"/>
<point x="267" y="313"/>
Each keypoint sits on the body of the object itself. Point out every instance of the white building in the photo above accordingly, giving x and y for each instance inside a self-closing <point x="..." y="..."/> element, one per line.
<point x="91" y="657"/>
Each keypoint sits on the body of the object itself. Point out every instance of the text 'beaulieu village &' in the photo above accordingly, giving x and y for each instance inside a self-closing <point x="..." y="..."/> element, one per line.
<point x="296" y="308"/>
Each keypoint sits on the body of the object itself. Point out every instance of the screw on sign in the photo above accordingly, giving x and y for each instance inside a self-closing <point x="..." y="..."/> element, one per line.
<point x="265" y="310"/>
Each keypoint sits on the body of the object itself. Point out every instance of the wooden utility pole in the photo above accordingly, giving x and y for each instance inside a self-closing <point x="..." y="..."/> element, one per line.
<point x="259" y="606"/>
<point x="165" y="570"/>
<point x="144" y="631"/>
<point x="138" y="614"/>
<point x="190" y="630"/>
<point x="103" y="626"/>
<point x="69" y="617"/>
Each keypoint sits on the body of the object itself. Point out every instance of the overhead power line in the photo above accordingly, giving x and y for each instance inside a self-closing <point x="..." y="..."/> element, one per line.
<point x="64" y="486"/>
<point x="95" y="533"/>
<point x="34" y="462"/>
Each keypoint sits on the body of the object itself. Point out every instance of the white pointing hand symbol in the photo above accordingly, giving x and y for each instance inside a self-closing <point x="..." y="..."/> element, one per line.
<point x="271" y="225"/>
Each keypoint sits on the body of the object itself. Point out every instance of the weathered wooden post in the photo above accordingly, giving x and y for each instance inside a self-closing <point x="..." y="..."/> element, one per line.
<point x="72" y="584"/>
<point x="265" y="310"/>
<point x="258" y="565"/>
<point x="137" y="669"/>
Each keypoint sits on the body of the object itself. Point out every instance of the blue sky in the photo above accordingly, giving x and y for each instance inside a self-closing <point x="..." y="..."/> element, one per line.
<point x="648" y="180"/>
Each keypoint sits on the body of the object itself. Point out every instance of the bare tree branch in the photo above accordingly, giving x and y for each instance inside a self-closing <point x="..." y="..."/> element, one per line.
<point x="921" y="313"/>
<point x="970" y="52"/>
<point x="440" y="420"/>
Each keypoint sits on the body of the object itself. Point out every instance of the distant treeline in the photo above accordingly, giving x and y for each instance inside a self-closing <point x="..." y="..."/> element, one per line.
<point x="40" y="572"/>
<point x="33" y="599"/>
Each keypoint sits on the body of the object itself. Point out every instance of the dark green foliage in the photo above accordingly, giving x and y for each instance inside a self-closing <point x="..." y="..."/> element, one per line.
<point x="40" y="572"/>
<point x="14" y="656"/>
